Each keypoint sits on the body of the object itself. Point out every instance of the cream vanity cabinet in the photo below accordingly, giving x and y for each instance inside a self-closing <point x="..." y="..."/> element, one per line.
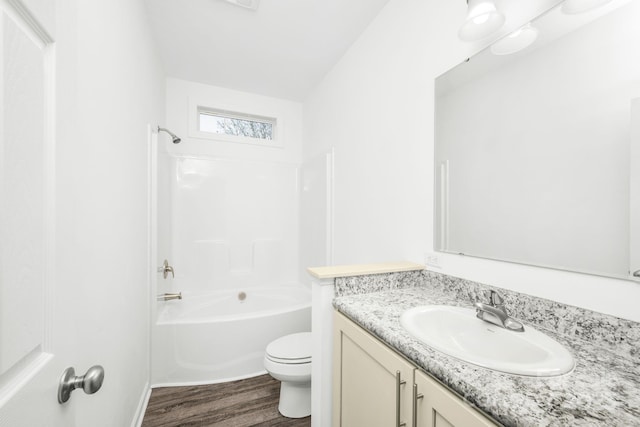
<point x="372" y="385"/>
<point x="375" y="386"/>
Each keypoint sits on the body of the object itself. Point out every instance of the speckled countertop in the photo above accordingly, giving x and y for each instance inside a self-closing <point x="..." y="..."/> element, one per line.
<point x="602" y="390"/>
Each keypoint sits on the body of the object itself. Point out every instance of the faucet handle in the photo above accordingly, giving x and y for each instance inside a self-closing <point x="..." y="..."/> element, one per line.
<point x="496" y="299"/>
<point x="165" y="269"/>
<point x="493" y="298"/>
<point x="488" y="296"/>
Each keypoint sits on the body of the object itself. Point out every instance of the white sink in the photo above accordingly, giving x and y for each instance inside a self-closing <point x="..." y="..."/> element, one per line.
<point x="457" y="332"/>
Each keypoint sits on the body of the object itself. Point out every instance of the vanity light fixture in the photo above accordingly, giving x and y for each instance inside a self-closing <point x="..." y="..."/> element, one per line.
<point x="483" y="19"/>
<point x="573" y="7"/>
<point x="516" y="41"/>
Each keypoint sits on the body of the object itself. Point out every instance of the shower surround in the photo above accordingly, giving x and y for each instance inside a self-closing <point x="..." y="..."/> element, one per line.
<point x="232" y="232"/>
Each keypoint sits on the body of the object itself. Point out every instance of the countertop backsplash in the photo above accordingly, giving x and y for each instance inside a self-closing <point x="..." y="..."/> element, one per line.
<point x="619" y="335"/>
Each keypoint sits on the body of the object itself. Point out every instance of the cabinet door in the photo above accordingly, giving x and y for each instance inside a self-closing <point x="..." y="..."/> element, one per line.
<point x="365" y="380"/>
<point x="439" y="407"/>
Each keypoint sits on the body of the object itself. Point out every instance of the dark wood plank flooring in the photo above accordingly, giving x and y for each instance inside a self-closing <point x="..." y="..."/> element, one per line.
<point x="243" y="403"/>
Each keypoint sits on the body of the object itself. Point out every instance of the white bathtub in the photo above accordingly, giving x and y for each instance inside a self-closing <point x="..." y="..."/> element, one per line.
<point x="218" y="336"/>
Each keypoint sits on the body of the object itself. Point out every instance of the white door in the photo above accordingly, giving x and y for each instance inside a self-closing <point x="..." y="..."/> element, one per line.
<point x="30" y="361"/>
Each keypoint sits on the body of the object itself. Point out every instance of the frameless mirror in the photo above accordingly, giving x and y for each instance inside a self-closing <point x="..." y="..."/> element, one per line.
<point x="537" y="151"/>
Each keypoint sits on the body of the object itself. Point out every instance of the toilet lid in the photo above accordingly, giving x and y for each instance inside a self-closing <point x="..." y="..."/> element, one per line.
<point x="294" y="348"/>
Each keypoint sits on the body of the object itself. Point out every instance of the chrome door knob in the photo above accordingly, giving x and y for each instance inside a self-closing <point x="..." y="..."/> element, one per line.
<point x="89" y="382"/>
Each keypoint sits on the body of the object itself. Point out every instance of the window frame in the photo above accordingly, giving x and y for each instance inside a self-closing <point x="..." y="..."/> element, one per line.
<point x="198" y="108"/>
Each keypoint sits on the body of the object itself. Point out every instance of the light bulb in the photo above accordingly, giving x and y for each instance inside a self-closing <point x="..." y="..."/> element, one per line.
<point x="482" y="19"/>
<point x="516" y="41"/>
<point x="479" y="20"/>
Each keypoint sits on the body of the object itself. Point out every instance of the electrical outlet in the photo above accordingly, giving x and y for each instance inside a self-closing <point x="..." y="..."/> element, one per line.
<point x="432" y="260"/>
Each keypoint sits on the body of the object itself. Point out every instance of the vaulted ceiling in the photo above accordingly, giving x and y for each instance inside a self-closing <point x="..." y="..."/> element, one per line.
<point x="282" y="49"/>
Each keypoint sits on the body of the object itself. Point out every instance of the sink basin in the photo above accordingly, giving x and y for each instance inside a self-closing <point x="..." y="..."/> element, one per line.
<point x="457" y="331"/>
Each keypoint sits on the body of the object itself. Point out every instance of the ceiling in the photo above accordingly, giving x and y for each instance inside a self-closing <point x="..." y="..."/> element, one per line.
<point x="283" y="49"/>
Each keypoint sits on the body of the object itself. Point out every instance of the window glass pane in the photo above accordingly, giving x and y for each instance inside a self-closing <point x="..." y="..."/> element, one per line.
<point x="238" y="126"/>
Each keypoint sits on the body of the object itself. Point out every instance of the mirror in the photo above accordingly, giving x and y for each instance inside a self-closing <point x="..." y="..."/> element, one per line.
<point x="534" y="149"/>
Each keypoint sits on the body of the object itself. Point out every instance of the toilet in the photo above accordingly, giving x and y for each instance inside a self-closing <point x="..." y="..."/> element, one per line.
<point x="288" y="359"/>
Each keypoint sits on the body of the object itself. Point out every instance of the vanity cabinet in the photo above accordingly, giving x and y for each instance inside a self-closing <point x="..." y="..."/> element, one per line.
<point x="375" y="386"/>
<point x="372" y="384"/>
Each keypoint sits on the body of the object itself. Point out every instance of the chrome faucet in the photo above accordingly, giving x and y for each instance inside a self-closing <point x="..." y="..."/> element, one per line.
<point x="494" y="312"/>
<point x="167" y="297"/>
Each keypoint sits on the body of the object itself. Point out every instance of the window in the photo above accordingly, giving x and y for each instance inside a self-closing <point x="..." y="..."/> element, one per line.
<point x="236" y="124"/>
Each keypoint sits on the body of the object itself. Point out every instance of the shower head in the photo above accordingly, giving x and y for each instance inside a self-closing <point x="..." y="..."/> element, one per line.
<point x="174" y="137"/>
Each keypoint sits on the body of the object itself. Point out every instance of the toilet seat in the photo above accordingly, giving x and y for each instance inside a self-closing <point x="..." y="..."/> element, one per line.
<point x="291" y="349"/>
<point x="289" y="361"/>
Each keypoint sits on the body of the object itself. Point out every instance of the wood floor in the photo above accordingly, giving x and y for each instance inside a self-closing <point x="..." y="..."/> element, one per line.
<point x="244" y="403"/>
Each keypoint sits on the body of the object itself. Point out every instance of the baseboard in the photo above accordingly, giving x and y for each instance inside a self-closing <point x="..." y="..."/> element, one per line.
<point x="218" y="381"/>
<point x="142" y="407"/>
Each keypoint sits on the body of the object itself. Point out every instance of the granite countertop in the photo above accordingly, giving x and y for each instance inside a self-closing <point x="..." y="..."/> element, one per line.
<point x="603" y="389"/>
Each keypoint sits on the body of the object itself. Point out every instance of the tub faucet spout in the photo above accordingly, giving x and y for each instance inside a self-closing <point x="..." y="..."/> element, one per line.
<point x="167" y="297"/>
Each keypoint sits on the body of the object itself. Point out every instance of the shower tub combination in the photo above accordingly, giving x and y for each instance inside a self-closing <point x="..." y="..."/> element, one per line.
<point x="231" y="230"/>
<point x="222" y="335"/>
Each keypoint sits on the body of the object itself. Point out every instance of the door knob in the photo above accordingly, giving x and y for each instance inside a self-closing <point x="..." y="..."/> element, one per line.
<point x="89" y="382"/>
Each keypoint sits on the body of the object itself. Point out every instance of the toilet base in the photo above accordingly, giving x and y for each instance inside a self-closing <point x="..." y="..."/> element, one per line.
<point x="295" y="399"/>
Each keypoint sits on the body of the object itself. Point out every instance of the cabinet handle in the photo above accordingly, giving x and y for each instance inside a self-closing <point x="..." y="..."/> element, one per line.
<point x="399" y="382"/>
<point x="416" y="396"/>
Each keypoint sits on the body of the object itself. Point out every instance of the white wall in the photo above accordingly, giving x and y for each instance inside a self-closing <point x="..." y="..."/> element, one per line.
<point x="184" y="96"/>
<point x="110" y="85"/>
<point x="376" y="108"/>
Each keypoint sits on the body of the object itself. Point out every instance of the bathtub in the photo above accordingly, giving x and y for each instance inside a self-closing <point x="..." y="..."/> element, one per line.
<point x="221" y="336"/>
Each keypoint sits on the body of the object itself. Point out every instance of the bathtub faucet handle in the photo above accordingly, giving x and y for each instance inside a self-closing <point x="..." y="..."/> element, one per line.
<point x="166" y="269"/>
